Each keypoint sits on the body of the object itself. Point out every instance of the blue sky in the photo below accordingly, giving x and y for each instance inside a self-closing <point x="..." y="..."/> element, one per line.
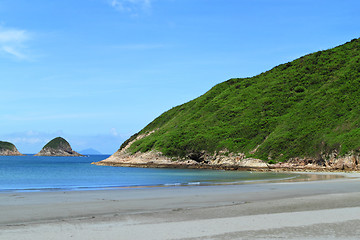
<point x="98" y="71"/>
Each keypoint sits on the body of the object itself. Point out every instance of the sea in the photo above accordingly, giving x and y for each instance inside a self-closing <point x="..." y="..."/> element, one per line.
<point x="34" y="173"/>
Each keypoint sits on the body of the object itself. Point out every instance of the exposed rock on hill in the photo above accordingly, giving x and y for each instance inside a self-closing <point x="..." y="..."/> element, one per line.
<point x="8" y="149"/>
<point x="221" y="160"/>
<point x="58" y="147"/>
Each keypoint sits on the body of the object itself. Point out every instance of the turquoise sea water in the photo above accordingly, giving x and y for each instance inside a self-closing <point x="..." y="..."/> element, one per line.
<point x="30" y="173"/>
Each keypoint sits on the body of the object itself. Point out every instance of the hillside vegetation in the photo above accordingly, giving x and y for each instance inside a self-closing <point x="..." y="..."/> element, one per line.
<point x="7" y="146"/>
<point x="57" y="142"/>
<point x="304" y="108"/>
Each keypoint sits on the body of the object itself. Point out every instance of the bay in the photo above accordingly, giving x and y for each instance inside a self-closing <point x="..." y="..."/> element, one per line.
<point x="34" y="173"/>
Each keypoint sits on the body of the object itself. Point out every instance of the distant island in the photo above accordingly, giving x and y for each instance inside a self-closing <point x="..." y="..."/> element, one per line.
<point x="8" y="149"/>
<point x="58" y="147"/>
<point x="303" y="114"/>
<point x="90" y="151"/>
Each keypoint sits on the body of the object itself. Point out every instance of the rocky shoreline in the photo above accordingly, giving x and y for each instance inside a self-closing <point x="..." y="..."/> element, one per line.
<point x="230" y="161"/>
<point x="226" y="160"/>
<point x="282" y="167"/>
<point x="182" y="166"/>
<point x="58" y="153"/>
<point x="7" y="152"/>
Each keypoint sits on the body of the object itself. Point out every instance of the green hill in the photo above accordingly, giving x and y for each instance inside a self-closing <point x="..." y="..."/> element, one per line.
<point x="305" y="108"/>
<point x="7" y="146"/>
<point x="8" y="149"/>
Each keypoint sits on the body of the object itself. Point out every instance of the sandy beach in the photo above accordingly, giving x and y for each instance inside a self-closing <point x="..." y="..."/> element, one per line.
<point x="325" y="209"/>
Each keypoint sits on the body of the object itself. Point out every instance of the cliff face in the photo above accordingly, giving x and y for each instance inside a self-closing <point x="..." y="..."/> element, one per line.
<point x="58" y="147"/>
<point x="299" y="112"/>
<point x="8" y="149"/>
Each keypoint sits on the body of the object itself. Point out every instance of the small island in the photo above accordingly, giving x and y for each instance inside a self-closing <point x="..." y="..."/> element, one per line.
<point x="58" y="147"/>
<point x="8" y="149"/>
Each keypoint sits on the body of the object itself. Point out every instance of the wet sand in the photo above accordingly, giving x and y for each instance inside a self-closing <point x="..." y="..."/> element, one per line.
<point x="325" y="209"/>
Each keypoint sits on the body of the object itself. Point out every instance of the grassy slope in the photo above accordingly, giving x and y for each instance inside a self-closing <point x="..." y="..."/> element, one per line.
<point x="300" y="108"/>
<point x="57" y="143"/>
<point x="7" y="145"/>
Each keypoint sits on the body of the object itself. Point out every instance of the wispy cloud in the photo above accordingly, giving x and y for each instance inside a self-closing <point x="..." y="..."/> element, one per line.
<point x="114" y="132"/>
<point x="13" y="42"/>
<point x="132" y="7"/>
<point x="14" y="52"/>
<point x="138" y="47"/>
<point x="30" y="141"/>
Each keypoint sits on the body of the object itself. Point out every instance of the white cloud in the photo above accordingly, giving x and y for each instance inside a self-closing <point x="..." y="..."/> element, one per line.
<point x="27" y="140"/>
<point x="132" y="7"/>
<point x="13" y="42"/>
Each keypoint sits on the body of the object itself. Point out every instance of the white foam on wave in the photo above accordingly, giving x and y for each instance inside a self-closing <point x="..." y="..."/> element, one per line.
<point x="172" y="184"/>
<point x="194" y="183"/>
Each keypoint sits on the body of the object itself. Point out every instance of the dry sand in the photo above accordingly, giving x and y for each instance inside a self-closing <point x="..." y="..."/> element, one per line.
<point x="283" y="210"/>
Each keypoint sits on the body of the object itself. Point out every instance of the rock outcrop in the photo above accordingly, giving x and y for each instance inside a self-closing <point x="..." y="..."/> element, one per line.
<point x="230" y="161"/>
<point x="220" y="160"/>
<point x="8" y="149"/>
<point x="58" y="147"/>
<point x="154" y="159"/>
<point x="227" y="160"/>
<point x="331" y="162"/>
